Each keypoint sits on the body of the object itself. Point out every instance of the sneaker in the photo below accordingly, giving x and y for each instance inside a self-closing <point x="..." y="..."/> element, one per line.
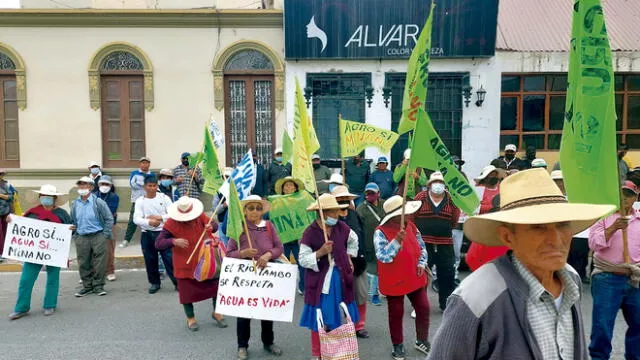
<point x="413" y="314"/>
<point x="111" y="277"/>
<point x="84" y="292"/>
<point x="273" y="349"/>
<point x="300" y="292"/>
<point x="423" y="346"/>
<point x="100" y="292"/>
<point x="49" y="312"/>
<point x="154" y="288"/>
<point x="375" y="300"/>
<point x="124" y="244"/>
<point x="398" y="352"/>
<point x="243" y="354"/>
<point x="18" y="315"/>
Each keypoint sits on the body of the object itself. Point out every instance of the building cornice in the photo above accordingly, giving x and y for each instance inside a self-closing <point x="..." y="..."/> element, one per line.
<point x="146" y="18"/>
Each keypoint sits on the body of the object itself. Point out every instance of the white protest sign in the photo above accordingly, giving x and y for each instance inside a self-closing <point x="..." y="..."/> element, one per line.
<point x="265" y="294"/>
<point x="216" y="134"/>
<point x="243" y="175"/>
<point x="37" y="241"/>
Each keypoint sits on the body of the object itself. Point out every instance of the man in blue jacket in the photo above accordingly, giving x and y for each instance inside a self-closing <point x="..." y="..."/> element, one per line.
<point x="136" y="182"/>
<point x="383" y="177"/>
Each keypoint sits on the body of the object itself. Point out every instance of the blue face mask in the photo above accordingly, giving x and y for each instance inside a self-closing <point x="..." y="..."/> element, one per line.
<point x="331" y="187"/>
<point x="46" y="200"/>
<point x="166" y="182"/>
<point x="331" y="221"/>
<point x="278" y="159"/>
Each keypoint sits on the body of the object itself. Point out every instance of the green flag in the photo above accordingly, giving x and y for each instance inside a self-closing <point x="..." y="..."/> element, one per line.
<point x="415" y="86"/>
<point x="428" y="151"/>
<point x="289" y="215"/>
<point x="287" y="147"/>
<point x="195" y="159"/>
<point x="355" y="137"/>
<point x="305" y="143"/>
<point x="588" y="153"/>
<point x="235" y="216"/>
<point x="210" y="169"/>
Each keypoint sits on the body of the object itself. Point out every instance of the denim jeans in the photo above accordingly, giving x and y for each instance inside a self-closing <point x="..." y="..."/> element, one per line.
<point x="611" y="293"/>
<point x="294" y="248"/>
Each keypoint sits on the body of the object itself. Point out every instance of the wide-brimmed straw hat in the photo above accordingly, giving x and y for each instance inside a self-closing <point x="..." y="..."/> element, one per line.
<point x="256" y="199"/>
<point x="185" y="209"/>
<point x="531" y="197"/>
<point x="341" y="192"/>
<point x="280" y="184"/>
<point x="488" y="170"/>
<point x="327" y="202"/>
<point x="49" y="190"/>
<point x="393" y="207"/>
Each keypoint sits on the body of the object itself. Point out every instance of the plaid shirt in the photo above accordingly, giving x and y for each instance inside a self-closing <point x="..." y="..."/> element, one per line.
<point x="386" y="251"/>
<point x="192" y="187"/>
<point x="552" y="327"/>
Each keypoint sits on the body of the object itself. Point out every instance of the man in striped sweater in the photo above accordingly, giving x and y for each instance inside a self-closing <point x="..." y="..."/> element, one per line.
<point x="436" y="219"/>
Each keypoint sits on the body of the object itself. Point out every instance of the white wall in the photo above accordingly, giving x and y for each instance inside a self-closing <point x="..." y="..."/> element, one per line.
<point x="480" y="126"/>
<point x="532" y="62"/>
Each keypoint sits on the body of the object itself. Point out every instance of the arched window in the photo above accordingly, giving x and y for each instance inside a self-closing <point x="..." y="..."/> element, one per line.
<point x="12" y="98"/>
<point x="121" y="83"/>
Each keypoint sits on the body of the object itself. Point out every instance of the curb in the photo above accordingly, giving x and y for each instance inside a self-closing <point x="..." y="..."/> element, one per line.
<point x="121" y="262"/>
<point x="10" y="267"/>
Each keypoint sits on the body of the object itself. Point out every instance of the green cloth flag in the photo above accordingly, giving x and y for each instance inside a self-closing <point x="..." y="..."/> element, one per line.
<point x="195" y="159"/>
<point x="588" y="153"/>
<point x="235" y="216"/>
<point x="210" y="168"/>
<point x="415" y="86"/>
<point x="305" y="143"/>
<point x="287" y="147"/>
<point x="356" y="136"/>
<point x="289" y="215"/>
<point x="428" y="151"/>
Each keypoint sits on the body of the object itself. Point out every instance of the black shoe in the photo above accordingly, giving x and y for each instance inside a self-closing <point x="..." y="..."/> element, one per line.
<point x="154" y="288"/>
<point x="100" y="292"/>
<point x="398" y="352"/>
<point x="84" y="292"/>
<point x="423" y="346"/>
<point x="363" y="334"/>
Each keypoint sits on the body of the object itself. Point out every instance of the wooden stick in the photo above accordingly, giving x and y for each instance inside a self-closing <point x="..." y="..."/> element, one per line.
<point x="404" y="194"/>
<point x="193" y="175"/>
<point x="341" y="149"/>
<point x="205" y="231"/>
<point x="625" y="234"/>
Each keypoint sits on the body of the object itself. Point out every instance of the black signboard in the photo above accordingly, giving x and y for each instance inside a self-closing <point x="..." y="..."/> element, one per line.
<point x="387" y="29"/>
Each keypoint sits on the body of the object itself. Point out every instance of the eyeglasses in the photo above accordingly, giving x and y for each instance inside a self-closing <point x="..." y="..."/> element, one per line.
<point x="254" y="208"/>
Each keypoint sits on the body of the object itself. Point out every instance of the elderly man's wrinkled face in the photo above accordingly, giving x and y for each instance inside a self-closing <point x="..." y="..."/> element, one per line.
<point x="540" y="247"/>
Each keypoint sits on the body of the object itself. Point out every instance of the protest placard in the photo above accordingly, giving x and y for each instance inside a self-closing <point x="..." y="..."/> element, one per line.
<point x="355" y="137"/>
<point x="290" y="216"/>
<point x="265" y="294"/>
<point x="37" y="241"/>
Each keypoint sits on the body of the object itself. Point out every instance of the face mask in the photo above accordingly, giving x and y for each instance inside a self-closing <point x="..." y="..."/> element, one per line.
<point x="46" y="200"/>
<point x="492" y="181"/>
<point x="83" y="192"/>
<point x="95" y="170"/>
<point x="437" y="188"/>
<point x="331" y="221"/>
<point x="331" y="187"/>
<point x="372" y="197"/>
<point x="185" y="162"/>
<point x="509" y="156"/>
<point x="278" y="159"/>
<point x="166" y="182"/>
<point x="104" y="189"/>
<point x="316" y="166"/>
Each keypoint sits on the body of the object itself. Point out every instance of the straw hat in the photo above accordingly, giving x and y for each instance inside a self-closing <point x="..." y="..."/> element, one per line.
<point x="488" y="170"/>
<point x="185" y="209"/>
<point x="341" y="192"/>
<point x="531" y="197"/>
<point x="436" y="176"/>
<point x="280" y="184"/>
<point x="49" y="190"/>
<point x="393" y="207"/>
<point x="327" y="202"/>
<point x="256" y="199"/>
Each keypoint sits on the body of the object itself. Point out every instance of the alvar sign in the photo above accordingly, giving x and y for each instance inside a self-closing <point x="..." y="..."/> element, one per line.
<point x="387" y="29"/>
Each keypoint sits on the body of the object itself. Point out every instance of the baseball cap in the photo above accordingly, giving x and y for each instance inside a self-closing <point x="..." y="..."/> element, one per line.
<point x="536" y="163"/>
<point x="185" y="154"/>
<point x="105" y="179"/>
<point x="144" y="158"/>
<point x="629" y="185"/>
<point x="372" y="187"/>
<point x="277" y="151"/>
<point x="93" y="163"/>
<point x="382" y="159"/>
<point x="86" y="180"/>
<point x="166" y="172"/>
<point x="315" y="157"/>
<point x="556" y="175"/>
<point x="510" y="147"/>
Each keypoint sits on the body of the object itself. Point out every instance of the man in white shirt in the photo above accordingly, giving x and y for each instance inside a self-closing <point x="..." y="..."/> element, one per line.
<point x="150" y="215"/>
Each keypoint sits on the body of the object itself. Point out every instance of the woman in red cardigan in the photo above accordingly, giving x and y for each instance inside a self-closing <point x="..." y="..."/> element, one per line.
<point x="181" y="232"/>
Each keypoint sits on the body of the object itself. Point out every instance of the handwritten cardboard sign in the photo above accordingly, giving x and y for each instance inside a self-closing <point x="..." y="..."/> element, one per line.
<point x="265" y="294"/>
<point x="37" y="241"/>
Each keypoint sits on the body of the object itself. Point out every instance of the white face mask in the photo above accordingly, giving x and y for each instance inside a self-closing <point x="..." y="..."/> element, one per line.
<point x="83" y="192"/>
<point x="104" y="189"/>
<point x="437" y="188"/>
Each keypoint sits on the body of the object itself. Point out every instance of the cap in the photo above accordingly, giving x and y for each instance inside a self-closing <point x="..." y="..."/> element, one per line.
<point x="536" y="163"/>
<point x="382" y="159"/>
<point x="150" y="179"/>
<point x="315" y="157"/>
<point x="510" y="147"/>
<point x="277" y="151"/>
<point x="336" y="179"/>
<point x="166" y="172"/>
<point x="185" y="155"/>
<point x="372" y="187"/>
<point x="144" y="158"/>
<point x="436" y="176"/>
<point x="556" y="175"/>
<point x="105" y="179"/>
<point x="86" y="180"/>
<point x="629" y="185"/>
<point x="93" y="163"/>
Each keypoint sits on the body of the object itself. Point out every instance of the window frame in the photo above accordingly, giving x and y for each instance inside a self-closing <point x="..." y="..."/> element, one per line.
<point x="8" y="75"/>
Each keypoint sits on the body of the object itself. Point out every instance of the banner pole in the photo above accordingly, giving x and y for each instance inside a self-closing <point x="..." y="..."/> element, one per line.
<point x="406" y="185"/>
<point x="341" y="147"/>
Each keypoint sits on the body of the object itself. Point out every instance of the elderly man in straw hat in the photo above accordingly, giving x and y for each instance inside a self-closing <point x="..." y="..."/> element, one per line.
<point x="614" y="283"/>
<point x="527" y="302"/>
<point x="402" y="263"/>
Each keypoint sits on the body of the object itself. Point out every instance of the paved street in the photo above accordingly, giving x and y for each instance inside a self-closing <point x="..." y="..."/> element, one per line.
<point x="129" y="323"/>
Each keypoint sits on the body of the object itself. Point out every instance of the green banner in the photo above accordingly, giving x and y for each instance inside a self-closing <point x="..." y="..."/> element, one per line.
<point x="588" y="153"/>
<point x="429" y="152"/>
<point x="356" y="136"/>
<point x="290" y="216"/>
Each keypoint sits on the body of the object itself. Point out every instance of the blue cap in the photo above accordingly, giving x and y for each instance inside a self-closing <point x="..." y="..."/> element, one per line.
<point x="372" y="187"/>
<point x="185" y="154"/>
<point x="382" y="159"/>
